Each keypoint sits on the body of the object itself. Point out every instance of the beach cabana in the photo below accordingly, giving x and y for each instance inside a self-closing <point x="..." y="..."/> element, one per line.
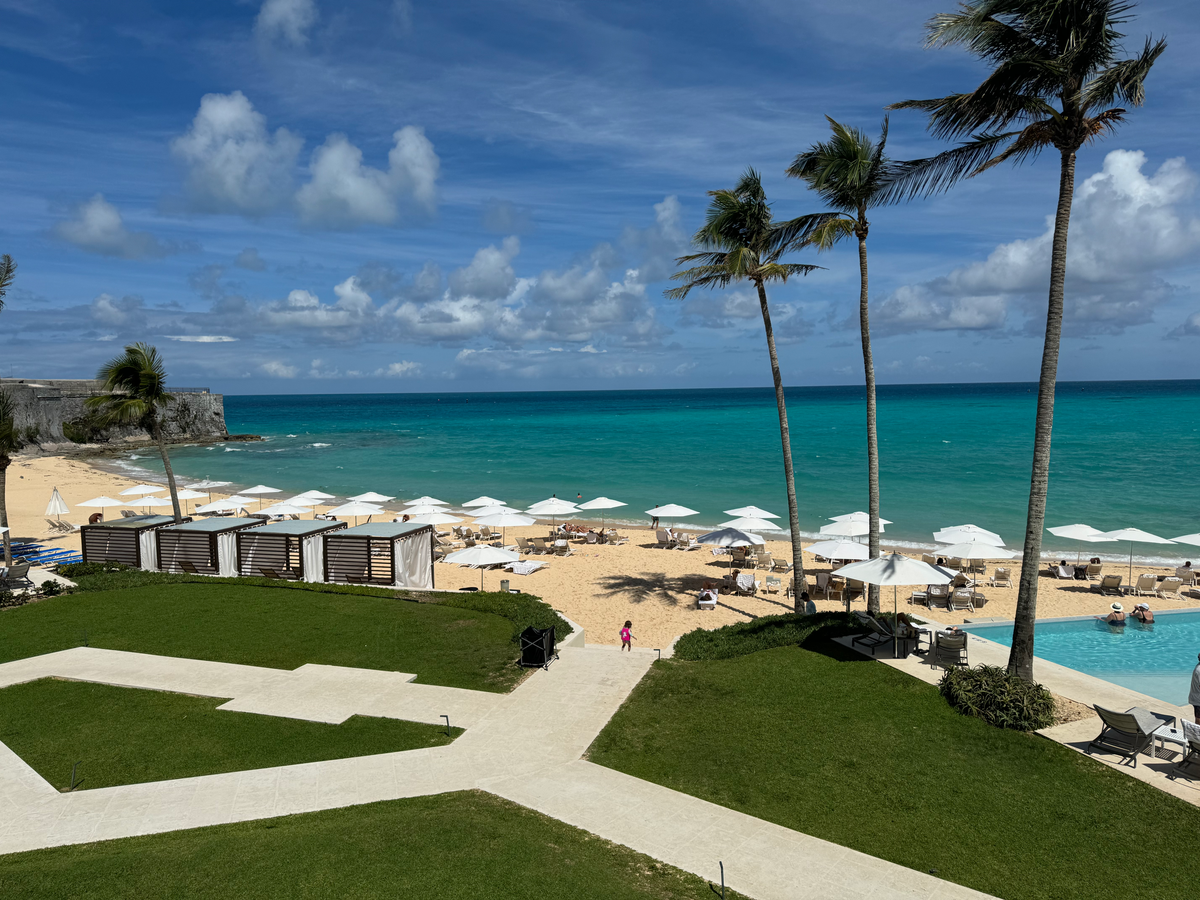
<point x="292" y="550"/>
<point x="129" y="541"/>
<point x="206" y="547"/>
<point x="398" y="554"/>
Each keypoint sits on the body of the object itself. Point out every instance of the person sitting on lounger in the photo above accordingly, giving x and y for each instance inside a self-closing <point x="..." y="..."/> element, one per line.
<point x="1184" y="571"/>
<point x="941" y="561"/>
<point x="708" y="593"/>
<point x="1142" y="613"/>
<point x="1116" y="617"/>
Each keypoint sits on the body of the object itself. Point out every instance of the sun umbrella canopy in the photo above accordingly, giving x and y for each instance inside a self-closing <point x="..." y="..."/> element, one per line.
<point x="155" y="501"/>
<point x="670" y="511"/>
<point x="284" y="509"/>
<point x="230" y="503"/>
<point x="434" y="518"/>
<point x="56" y="506"/>
<point x="1136" y="535"/>
<point x="138" y="489"/>
<point x="356" y="508"/>
<point x="427" y="501"/>
<point x="840" y="549"/>
<point x="553" y="507"/>
<point x="749" y="523"/>
<point x="895" y="568"/>
<point x="729" y="537"/>
<point x="372" y="497"/>
<point x="846" y="529"/>
<point x="943" y="536"/>
<point x="1076" y="532"/>
<point x="1193" y="539"/>
<point x="424" y="509"/>
<point x="495" y="510"/>
<point x="505" y="520"/>
<point x="260" y="489"/>
<point x="976" y="550"/>
<point x="602" y="503"/>
<point x="482" y="501"/>
<point x="317" y="495"/>
<point x="858" y="516"/>
<point x="303" y="500"/>
<point x="190" y="495"/>
<point x="100" y="502"/>
<point x="482" y="555"/>
<point x="751" y="512"/>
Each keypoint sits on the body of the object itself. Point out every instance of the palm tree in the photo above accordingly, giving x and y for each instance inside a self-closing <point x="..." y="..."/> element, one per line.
<point x="135" y="394"/>
<point x="8" y="446"/>
<point x="8" y="271"/>
<point x="1058" y="75"/>
<point x="850" y="172"/>
<point x="741" y="242"/>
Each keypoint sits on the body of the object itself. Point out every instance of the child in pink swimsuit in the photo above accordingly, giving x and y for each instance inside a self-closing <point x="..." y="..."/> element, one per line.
<point x="627" y="637"/>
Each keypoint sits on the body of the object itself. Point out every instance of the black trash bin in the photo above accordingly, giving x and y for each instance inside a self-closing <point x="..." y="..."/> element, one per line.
<point x="537" y="647"/>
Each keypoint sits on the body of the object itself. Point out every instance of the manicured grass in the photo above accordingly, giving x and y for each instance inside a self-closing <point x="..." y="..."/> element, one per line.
<point x="854" y="752"/>
<point x="448" y="847"/>
<point x="126" y="735"/>
<point x="278" y="627"/>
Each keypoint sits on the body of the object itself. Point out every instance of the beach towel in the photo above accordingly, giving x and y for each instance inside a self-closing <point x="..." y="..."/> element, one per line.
<point x="525" y="567"/>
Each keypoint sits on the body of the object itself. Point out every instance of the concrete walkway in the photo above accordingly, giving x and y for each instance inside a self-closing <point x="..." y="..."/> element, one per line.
<point x="524" y="746"/>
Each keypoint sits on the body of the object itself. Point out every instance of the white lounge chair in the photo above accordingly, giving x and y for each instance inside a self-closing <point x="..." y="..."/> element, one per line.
<point x="1146" y="586"/>
<point x="1168" y="588"/>
<point x="1001" y="578"/>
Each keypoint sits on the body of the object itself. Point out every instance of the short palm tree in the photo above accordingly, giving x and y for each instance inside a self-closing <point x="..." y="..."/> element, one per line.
<point x="851" y="173"/>
<point x="741" y="242"/>
<point x="134" y="386"/>
<point x="8" y="446"/>
<point x="8" y="271"/>
<point x="1057" y="73"/>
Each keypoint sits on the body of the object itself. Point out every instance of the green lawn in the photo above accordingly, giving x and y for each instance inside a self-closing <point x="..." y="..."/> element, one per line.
<point x="125" y="735"/>
<point x="854" y="752"/>
<point x="448" y="847"/>
<point x="279" y="627"/>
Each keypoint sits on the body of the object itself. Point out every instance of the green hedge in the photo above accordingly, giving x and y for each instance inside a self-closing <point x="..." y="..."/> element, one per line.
<point x="1000" y="699"/>
<point x="765" y="633"/>
<point x="522" y="610"/>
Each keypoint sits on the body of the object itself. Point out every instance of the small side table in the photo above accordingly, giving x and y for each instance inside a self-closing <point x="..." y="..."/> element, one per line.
<point x="1167" y="735"/>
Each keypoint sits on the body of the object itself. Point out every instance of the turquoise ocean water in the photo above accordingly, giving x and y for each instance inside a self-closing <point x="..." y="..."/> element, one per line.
<point x="1124" y="453"/>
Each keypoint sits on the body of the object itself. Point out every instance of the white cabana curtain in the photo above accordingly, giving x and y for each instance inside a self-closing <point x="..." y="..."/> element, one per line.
<point x="227" y="554"/>
<point x="414" y="561"/>
<point x="312" y="551"/>
<point x="148" y="548"/>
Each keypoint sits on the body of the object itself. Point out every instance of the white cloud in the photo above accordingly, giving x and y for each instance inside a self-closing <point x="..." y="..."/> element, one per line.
<point x="344" y="193"/>
<point x="233" y="163"/>
<point x="276" y="369"/>
<point x="202" y="338"/>
<point x="1126" y="227"/>
<point x="287" y="21"/>
<point x="401" y="369"/>
<point x="108" y="310"/>
<point x="489" y="276"/>
<point x="249" y="259"/>
<point x="505" y="217"/>
<point x="659" y="245"/>
<point x="97" y="227"/>
<point x="303" y="310"/>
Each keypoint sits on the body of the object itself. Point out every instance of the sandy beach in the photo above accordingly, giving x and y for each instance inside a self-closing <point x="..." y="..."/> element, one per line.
<point x="598" y="586"/>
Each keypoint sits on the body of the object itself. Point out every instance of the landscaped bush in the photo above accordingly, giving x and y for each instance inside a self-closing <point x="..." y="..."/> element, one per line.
<point x="74" y="570"/>
<point x="9" y="598"/>
<point x="763" y="634"/>
<point x="1000" y="699"/>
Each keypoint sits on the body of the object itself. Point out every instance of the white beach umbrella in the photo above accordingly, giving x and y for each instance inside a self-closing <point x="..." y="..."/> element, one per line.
<point x="482" y="501"/>
<point x="186" y="494"/>
<point x="949" y="534"/>
<point x="553" y="506"/>
<point x="356" y="508"/>
<point x="495" y="511"/>
<point x="100" y="502"/>
<point x="437" y="518"/>
<point x="302" y="500"/>
<point x="1080" y="533"/>
<point x="427" y="501"/>
<point x="977" y="550"/>
<point x="138" y="489"/>
<point x="894" y="569"/>
<point x="1193" y="539"/>
<point x="260" y="489"/>
<point x="482" y="555"/>
<point x="229" y="504"/>
<point x="371" y="497"/>
<point x="730" y="537"/>
<point x="750" y="523"/>
<point x="840" y="549"/>
<point x="858" y="516"/>
<point x="424" y="509"/>
<point x="147" y="502"/>
<point x="670" y="511"/>
<point x="752" y="512"/>
<point x="504" y="520"/>
<point x="317" y="495"/>
<point x="1135" y="536"/>
<point x="56" y="506"/>
<point x="848" y="528"/>
<point x="284" y="509"/>
<point x="602" y="504"/>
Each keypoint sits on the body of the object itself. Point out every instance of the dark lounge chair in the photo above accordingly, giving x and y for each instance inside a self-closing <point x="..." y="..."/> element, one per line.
<point x="1189" y="766"/>
<point x="1126" y="734"/>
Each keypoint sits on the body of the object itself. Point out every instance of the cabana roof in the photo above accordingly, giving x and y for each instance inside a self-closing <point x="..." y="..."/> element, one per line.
<point x="214" y="525"/>
<point x="383" y="530"/>
<point x="135" y="522"/>
<point x="298" y="528"/>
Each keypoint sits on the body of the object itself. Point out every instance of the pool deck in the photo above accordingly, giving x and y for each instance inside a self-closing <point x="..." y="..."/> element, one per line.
<point x="1082" y="688"/>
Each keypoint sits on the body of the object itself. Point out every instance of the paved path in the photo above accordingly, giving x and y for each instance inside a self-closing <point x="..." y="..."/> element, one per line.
<point x="525" y="746"/>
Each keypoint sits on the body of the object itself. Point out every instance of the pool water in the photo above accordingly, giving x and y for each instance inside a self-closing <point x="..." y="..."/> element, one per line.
<point x="1155" y="659"/>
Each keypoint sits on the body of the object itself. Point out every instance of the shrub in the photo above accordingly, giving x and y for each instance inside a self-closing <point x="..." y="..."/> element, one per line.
<point x="762" y="634"/>
<point x="9" y="599"/>
<point x="1000" y="699"/>
<point x="74" y="570"/>
<point x="50" y="588"/>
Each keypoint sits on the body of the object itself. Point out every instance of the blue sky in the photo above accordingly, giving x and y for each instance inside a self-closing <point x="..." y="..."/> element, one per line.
<point x="302" y="196"/>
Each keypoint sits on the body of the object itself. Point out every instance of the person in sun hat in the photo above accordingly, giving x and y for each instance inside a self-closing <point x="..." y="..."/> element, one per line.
<point x="1116" y="617"/>
<point x="1142" y="613"/>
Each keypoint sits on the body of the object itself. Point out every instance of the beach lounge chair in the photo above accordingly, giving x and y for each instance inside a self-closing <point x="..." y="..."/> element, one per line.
<point x="764" y="560"/>
<point x="745" y="585"/>
<point x="879" y="634"/>
<point x="525" y="567"/>
<point x="1126" y="734"/>
<point x="779" y="565"/>
<point x="1067" y="572"/>
<point x="1146" y="585"/>
<point x="1094" y="571"/>
<point x="1186" y="574"/>
<point x="937" y="595"/>
<point x="928" y="559"/>
<point x="525" y="547"/>
<point x="1189" y="766"/>
<point x="592" y="538"/>
<point x="707" y="598"/>
<point x="1001" y="578"/>
<point x="772" y="585"/>
<point x="963" y="598"/>
<point x="954" y="563"/>
<point x="127" y="514"/>
<point x="563" y="550"/>
<point x="664" y="539"/>
<point x="949" y="650"/>
<point x="613" y="538"/>
<point x="18" y="574"/>
<point x="1168" y="588"/>
<point x="539" y="545"/>
<point x="1110" y="584"/>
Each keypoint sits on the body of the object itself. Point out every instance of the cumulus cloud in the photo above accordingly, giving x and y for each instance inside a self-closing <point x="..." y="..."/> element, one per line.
<point x="276" y="369"/>
<point x="97" y="227"/>
<point x="303" y="311"/>
<point x="1189" y="327"/>
<point x="505" y="217"/>
<point x="234" y="165"/>
<point x="202" y="338"/>
<point x="109" y="310"/>
<point x="286" y="21"/>
<point x="249" y="259"/>
<point x="402" y="369"/>
<point x="489" y="276"/>
<point x="344" y="193"/>
<point x="657" y="247"/>
<point x="1126" y="227"/>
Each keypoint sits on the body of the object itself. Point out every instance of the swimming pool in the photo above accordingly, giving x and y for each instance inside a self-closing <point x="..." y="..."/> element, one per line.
<point x="1154" y="659"/>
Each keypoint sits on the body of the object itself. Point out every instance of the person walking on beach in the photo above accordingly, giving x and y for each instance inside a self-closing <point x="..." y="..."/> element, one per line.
<point x="1194" y="693"/>
<point x="627" y="641"/>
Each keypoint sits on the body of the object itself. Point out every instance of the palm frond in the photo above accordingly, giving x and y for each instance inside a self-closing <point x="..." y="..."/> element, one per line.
<point x="1124" y="81"/>
<point x="925" y="177"/>
<point x="9" y="440"/>
<point x="1032" y="140"/>
<point x="8" y="272"/>
<point x="794" y="233"/>
<point x="830" y="232"/>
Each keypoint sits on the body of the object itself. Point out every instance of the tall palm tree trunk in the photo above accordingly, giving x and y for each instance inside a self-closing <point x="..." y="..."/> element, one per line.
<point x="1020" y="657"/>
<point x="872" y="435"/>
<point x="156" y="433"/>
<point x="7" y="538"/>
<point x="784" y="435"/>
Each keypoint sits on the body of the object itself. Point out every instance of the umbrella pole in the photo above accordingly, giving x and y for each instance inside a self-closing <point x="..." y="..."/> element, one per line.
<point x="1131" y="562"/>
<point x="895" y="625"/>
